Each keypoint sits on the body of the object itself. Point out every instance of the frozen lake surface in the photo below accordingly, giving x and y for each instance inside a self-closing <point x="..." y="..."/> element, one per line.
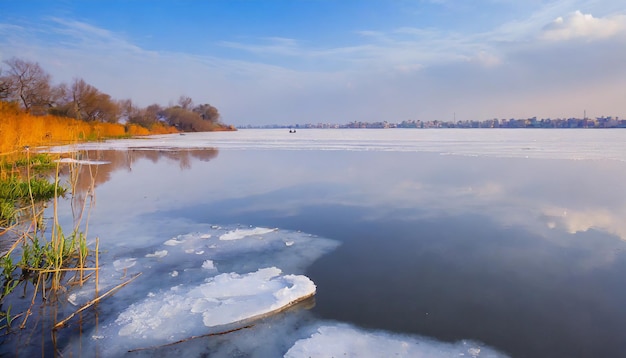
<point x="518" y="143"/>
<point x="475" y="243"/>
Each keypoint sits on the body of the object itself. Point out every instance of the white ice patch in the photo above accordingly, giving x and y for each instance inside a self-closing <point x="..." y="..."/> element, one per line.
<point x="125" y="263"/>
<point x="549" y="144"/>
<point x="183" y="294"/>
<point x="239" y="234"/>
<point x="221" y="300"/>
<point x="158" y="254"/>
<point x="346" y="341"/>
<point x="72" y="298"/>
<point x="77" y="161"/>
<point x="173" y="242"/>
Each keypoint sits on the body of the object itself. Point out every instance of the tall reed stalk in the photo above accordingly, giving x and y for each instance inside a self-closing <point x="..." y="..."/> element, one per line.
<point x="48" y="259"/>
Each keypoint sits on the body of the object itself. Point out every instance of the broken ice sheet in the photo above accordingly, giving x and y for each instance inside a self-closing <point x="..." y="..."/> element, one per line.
<point x="224" y="299"/>
<point x="341" y="340"/>
<point x="197" y="283"/>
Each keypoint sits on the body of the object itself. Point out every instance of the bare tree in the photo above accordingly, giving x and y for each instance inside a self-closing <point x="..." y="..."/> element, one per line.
<point x="87" y="103"/>
<point x="4" y="86"/>
<point x="29" y="84"/>
<point x="146" y="117"/>
<point x="127" y="110"/>
<point x="185" y="102"/>
<point x="208" y="112"/>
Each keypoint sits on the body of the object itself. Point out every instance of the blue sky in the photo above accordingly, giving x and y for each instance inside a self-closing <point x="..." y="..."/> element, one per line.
<point x="310" y="61"/>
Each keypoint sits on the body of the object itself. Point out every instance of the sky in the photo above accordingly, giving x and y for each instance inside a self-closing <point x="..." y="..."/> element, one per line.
<point x="335" y="61"/>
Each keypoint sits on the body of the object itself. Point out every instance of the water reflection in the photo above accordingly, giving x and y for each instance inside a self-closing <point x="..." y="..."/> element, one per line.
<point x="524" y="255"/>
<point x="125" y="159"/>
<point x="84" y="178"/>
<point x="542" y="195"/>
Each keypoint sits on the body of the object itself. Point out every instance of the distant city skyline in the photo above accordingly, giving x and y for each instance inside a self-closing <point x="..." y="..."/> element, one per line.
<point x="285" y="61"/>
<point x="533" y="122"/>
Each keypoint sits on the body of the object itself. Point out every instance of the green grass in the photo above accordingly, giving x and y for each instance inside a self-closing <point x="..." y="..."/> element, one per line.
<point x="38" y="161"/>
<point x="49" y="260"/>
<point x="16" y="193"/>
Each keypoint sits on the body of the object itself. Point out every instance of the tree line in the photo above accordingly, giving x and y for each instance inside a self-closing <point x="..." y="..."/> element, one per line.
<point x="29" y="85"/>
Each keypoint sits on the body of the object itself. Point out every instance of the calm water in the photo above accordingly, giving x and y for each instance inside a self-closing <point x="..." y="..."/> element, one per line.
<point x="526" y="255"/>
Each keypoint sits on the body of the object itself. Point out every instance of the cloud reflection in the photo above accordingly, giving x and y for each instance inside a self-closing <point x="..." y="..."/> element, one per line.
<point x="542" y="195"/>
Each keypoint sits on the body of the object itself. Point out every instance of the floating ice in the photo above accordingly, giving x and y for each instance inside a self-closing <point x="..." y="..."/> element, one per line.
<point x="201" y="284"/>
<point x="159" y="254"/>
<point x="239" y="234"/>
<point x="208" y="264"/>
<point x="78" y="161"/>
<point x="173" y="242"/>
<point x="183" y="295"/>
<point x="345" y="341"/>
<point x="72" y="298"/>
<point x="536" y="143"/>
<point x="221" y="300"/>
<point x="125" y="263"/>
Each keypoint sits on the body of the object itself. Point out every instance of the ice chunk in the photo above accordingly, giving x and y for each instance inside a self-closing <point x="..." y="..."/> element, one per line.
<point x="239" y="234"/>
<point x="182" y="294"/>
<point x="77" y="161"/>
<point x="221" y="300"/>
<point x="123" y="264"/>
<point x="173" y="242"/>
<point x="158" y="254"/>
<point x="346" y="341"/>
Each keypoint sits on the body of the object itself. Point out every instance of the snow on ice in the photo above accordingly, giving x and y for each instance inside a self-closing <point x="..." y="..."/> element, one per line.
<point x="216" y="281"/>
<point x="341" y="340"/>
<point x="196" y="283"/>
<point x="535" y="143"/>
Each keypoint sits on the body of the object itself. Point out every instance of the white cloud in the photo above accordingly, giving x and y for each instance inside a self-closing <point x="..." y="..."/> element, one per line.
<point x="89" y="36"/>
<point x="272" y="45"/>
<point x="403" y="72"/>
<point x="579" y="25"/>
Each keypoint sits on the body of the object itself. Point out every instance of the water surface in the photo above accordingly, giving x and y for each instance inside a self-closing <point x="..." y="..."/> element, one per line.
<point x="510" y="238"/>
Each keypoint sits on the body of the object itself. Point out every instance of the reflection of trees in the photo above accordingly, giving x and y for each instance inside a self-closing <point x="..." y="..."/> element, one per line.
<point x="84" y="178"/>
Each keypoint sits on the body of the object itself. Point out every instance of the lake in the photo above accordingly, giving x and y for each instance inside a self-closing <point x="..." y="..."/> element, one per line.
<point x="476" y="242"/>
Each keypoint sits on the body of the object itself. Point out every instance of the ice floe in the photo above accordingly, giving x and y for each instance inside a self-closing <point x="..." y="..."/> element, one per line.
<point x="340" y="340"/>
<point x="159" y="254"/>
<point x="239" y="234"/>
<point x="225" y="299"/>
<point x="81" y="161"/>
<point x="200" y="284"/>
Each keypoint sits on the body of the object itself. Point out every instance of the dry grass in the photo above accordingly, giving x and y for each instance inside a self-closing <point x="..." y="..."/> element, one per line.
<point x="19" y="129"/>
<point x="50" y="260"/>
